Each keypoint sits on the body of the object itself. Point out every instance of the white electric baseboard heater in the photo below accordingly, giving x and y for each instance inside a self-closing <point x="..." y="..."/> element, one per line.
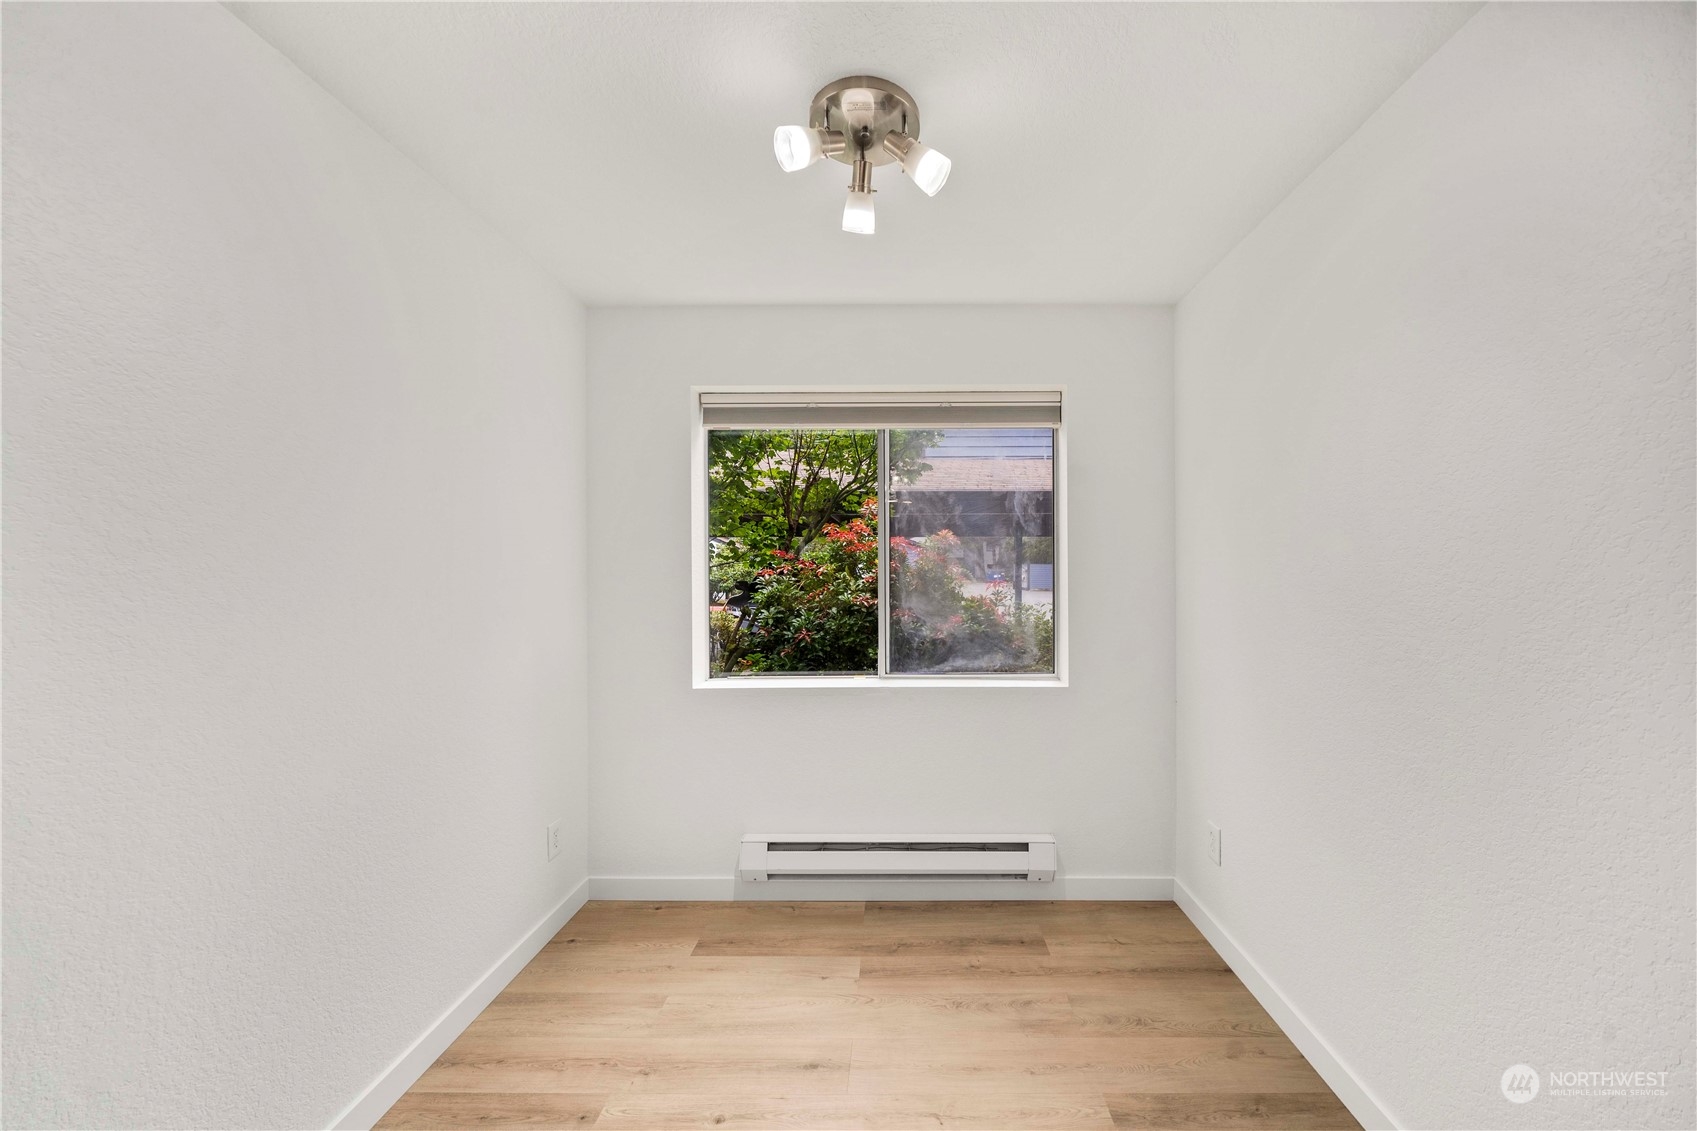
<point x="931" y="856"/>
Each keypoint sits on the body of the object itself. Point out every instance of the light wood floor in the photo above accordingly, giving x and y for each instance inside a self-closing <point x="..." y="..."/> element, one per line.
<point x="895" y="1016"/>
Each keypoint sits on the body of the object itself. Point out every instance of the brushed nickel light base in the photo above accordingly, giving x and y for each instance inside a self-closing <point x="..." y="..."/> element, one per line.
<point x="865" y="110"/>
<point x="862" y="121"/>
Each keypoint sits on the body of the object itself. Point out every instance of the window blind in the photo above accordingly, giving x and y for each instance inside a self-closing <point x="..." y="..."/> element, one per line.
<point x="1039" y="408"/>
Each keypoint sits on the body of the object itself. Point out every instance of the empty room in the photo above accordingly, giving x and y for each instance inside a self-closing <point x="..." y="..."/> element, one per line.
<point x="884" y="566"/>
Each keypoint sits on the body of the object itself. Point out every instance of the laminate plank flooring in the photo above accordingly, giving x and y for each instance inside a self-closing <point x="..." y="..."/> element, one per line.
<point x="1220" y="1111"/>
<point x="877" y="1017"/>
<point x="451" y="1111"/>
<point x="501" y="1064"/>
<point x="1081" y="1112"/>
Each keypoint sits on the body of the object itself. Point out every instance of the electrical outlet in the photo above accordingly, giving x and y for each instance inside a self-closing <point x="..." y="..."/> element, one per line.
<point x="1213" y="842"/>
<point x="553" y="840"/>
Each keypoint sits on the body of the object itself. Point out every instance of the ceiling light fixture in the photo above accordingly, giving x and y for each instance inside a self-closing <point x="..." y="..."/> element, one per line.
<point x="862" y="121"/>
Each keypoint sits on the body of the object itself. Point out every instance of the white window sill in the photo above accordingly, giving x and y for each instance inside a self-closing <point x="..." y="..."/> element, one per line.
<point x="911" y="681"/>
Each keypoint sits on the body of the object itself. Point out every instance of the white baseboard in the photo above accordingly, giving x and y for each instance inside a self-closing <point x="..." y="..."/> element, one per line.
<point x="1356" y="1096"/>
<point x="393" y="1082"/>
<point x="661" y="888"/>
<point x="1118" y="887"/>
<point x="708" y="888"/>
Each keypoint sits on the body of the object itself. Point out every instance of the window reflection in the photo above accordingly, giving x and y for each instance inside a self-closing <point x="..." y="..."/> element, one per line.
<point x="972" y="550"/>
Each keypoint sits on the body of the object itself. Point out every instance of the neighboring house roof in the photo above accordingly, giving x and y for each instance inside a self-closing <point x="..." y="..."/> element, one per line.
<point x="969" y="474"/>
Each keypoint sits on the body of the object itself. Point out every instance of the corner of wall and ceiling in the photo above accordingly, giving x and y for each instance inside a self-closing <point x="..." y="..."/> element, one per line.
<point x="1203" y="274"/>
<point x="489" y="227"/>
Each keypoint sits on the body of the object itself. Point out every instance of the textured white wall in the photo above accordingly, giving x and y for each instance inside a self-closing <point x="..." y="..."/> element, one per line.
<point x="1434" y="435"/>
<point x="678" y="774"/>
<point x="294" y="635"/>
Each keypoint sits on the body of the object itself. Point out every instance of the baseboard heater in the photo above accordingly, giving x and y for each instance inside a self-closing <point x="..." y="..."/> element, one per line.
<point x="833" y="856"/>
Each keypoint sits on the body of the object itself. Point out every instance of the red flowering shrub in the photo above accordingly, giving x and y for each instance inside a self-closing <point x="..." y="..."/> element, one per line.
<point x="816" y="611"/>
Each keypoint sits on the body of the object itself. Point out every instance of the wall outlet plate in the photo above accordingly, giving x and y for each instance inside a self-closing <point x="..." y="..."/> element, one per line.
<point x="553" y="840"/>
<point x="1213" y="842"/>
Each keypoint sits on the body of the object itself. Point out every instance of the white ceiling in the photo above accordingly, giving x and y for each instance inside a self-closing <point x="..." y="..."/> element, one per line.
<point x="1102" y="152"/>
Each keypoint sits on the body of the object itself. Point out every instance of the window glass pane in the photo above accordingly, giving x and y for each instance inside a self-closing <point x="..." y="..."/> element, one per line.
<point x="972" y="550"/>
<point x="793" y="552"/>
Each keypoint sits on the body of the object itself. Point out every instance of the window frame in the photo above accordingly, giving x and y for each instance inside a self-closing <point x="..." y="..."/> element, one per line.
<point x="700" y="586"/>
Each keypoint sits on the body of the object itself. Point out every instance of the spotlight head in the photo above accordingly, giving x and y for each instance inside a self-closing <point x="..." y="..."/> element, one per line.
<point x="925" y="166"/>
<point x="857" y="214"/>
<point x="797" y="147"/>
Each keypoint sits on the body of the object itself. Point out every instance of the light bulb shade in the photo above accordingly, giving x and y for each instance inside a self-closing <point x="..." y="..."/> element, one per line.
<point x="796" y="147"/>
<point x="925" y="166"/>
<point x="857" y="214"/>
<point x="928" y="168"/>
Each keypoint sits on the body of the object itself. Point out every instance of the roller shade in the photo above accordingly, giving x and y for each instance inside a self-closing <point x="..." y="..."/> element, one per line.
<point x="904" y="409"/>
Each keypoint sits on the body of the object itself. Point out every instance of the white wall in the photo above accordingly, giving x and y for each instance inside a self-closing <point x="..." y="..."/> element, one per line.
<point x="294" y="636"/>
<point x="1434" y="434"/>
<point x="678" y="775"/>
